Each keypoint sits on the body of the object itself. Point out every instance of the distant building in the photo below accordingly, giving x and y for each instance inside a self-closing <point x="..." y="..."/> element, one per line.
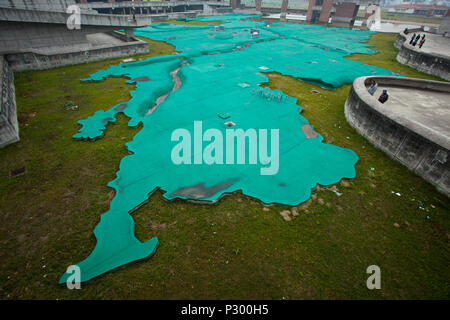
<point x="420" y="9"/>
<point x="341" y="11"/>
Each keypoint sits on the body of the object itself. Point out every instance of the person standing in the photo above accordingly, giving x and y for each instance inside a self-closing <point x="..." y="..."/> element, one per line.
<point x="412" y="38"/>
<point x="415" y="41"/>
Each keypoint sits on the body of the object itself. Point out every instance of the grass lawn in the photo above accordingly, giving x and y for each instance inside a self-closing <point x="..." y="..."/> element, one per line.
<point x="236" y="249"/>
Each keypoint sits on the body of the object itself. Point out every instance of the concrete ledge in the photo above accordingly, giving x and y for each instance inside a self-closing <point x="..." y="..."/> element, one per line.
<point x="421" y="149"/>
<point x="87" y="19"/>
<point x="145" y="4"/>
<point x="36" y="60"/>
<point x="9" y="127"/>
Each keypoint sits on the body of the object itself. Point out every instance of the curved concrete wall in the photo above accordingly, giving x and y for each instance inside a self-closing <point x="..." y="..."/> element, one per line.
<point x="9" y="127"/>
<point x="433" y="64"/>
<point x="427" y="63"/>
<point x="399" y="40"/>
<point x="420" y="149"/>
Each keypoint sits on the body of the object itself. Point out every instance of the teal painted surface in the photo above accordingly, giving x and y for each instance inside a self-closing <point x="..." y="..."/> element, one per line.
<point x="220" y="78"/>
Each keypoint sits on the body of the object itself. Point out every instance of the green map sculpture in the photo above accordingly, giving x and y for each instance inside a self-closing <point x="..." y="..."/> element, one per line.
<point x="220" y="70"/>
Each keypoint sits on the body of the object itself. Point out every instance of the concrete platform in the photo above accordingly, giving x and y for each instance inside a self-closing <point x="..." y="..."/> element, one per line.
<point x="433" y="58"/>
<point x="411" y="127"/>
<point x="427" y="109"/>
<point x="103" y="39"/>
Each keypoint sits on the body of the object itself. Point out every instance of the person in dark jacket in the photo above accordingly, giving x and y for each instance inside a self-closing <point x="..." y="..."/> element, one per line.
<point x="383" y="97"/>
<point x="412" y="38"/>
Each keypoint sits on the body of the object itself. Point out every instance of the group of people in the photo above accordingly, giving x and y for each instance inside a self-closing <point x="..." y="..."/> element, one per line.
<point x="416" y="38"/>
<point x="269" y="95"/>
<point x="373" y="87"/>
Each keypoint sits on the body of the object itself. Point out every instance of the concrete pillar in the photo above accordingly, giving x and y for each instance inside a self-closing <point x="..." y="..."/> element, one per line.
<point x="284" y="6"/>
<point x="258" y="5"/>
<point x="310" y="10"/>
<point x="326" y="9"/>
<point x="235" y="4"/>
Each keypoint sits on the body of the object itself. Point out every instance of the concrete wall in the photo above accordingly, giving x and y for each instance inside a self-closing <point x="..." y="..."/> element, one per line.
<point x="37" y="61"/>
<point x="9" y="128"/>
<point x="425" y="62"/>
<point x="16" y="36"/>
<point x="444" y="28"/>
<point x="425" y="153"/>
<point x="60" y="17"/>
<point x="44" y="5"/>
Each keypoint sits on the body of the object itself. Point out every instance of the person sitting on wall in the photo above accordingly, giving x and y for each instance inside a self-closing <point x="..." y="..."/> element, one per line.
<point x="383" y="97"/>
<point x="415" y="41"/>
<point x="373" y="87"/>
<point x="406" y="31"/>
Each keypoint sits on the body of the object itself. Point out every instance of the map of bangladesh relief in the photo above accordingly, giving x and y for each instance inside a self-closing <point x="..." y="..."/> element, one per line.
<point x="211" y="127"/>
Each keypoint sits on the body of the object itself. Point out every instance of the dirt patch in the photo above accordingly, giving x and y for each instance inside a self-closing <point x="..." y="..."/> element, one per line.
<point x="308" y="131"/>
<point x="285" y="214"/>
<point x="25" y="117"/>
<point x="305" y="205"/>
<point x="158" y="227"/>
<point x="345" y="183"/>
